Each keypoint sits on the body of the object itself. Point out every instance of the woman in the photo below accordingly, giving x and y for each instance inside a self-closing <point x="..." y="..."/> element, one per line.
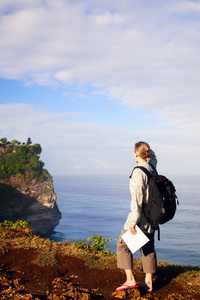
<point x="143" y="155"/>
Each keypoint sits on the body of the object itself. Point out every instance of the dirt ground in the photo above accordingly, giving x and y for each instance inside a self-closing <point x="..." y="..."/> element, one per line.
<point x="19" y="275"/>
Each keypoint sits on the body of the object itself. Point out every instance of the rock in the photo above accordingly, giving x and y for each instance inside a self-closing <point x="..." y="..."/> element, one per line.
<point x="119" y="295"/>
<point x="127" y="294"/>
<point x="176" y="296"/>
<point x="34" y="202"/>
<point x="18" y="285"/>
<point x="66" y="290"/>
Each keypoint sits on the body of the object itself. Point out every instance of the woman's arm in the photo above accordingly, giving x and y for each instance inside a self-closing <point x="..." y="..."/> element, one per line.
<point x="137" y="195"/>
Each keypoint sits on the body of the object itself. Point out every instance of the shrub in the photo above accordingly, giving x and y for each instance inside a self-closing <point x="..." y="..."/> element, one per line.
<point x="96" y="244"/>
<point x="47" y="191"/>
<point x="17" y="224"/>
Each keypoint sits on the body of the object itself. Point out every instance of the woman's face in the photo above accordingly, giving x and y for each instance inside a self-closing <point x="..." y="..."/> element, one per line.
<point x="135" y="156"/>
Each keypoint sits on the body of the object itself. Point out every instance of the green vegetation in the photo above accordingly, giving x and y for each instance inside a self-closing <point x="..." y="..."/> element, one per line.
<point x="46" y="258"/>
<point x="96" y="244"/>
<point x="47" y="191"/>
<point x="17" y="158"/>
<point x="17" y="224"/>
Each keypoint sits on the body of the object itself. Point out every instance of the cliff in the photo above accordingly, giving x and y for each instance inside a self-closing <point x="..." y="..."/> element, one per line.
<point x="35" y="268"/>
<point x="26" y="188"/>
<point x="33" y="201"/>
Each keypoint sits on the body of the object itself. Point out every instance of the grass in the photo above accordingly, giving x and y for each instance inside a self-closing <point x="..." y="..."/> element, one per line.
<point x="188" y="276"/>
<point x="46" y="258"/>
<point x="94" y="256"/>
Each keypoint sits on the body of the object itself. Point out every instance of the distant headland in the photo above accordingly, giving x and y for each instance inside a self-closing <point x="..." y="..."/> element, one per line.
<point x="26" y="188"/>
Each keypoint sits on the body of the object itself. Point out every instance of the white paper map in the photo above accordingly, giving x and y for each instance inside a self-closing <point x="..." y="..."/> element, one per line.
<point x="135" y="241"/>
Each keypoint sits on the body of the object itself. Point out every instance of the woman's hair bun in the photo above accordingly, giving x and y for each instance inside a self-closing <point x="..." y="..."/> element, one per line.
<point x="143" y="150"/>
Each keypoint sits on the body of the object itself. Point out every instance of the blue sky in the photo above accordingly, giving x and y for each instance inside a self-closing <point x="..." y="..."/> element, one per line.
<point x="89" y="78"/>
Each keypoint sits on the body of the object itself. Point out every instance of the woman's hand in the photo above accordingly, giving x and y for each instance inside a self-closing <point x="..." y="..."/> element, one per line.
<point x="132" y="229"/>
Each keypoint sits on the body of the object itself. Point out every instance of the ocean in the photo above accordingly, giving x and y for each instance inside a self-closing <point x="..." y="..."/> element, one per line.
<point x="99" y="204"/>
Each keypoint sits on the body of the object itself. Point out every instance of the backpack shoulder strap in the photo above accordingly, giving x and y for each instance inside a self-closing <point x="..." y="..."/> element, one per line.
<point x="149" y="175"/>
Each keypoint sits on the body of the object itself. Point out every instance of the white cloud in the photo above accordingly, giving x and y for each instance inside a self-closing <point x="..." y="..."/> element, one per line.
<point x="138" y="52"/>
<point x="77" y="167"/>
<point x="8" y="6"/>
<point x="142" y="53"/>
<point x="76" y="159"/>
<point x="184" y="7"/>
<point x="98" y="163"/>
<point x="70" y="148"/>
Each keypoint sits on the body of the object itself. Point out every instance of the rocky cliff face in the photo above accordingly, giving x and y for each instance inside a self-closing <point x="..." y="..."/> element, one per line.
<point x="34" y="202"/>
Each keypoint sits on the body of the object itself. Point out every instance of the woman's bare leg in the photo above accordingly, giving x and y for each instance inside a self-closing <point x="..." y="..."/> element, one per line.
<point x="149" y="281"/>
<point x="130" y="280"/>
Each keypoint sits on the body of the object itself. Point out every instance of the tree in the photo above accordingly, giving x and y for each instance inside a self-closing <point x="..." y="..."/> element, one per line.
<point x="21" y="159"/>
<point x="9" y="149"/>
<point x="15" y="142"/>
<point x="23" y="150"/>
<point x="36" y="149"/>
<point x="13" y="166"/>
<point x="3" y="140"/>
